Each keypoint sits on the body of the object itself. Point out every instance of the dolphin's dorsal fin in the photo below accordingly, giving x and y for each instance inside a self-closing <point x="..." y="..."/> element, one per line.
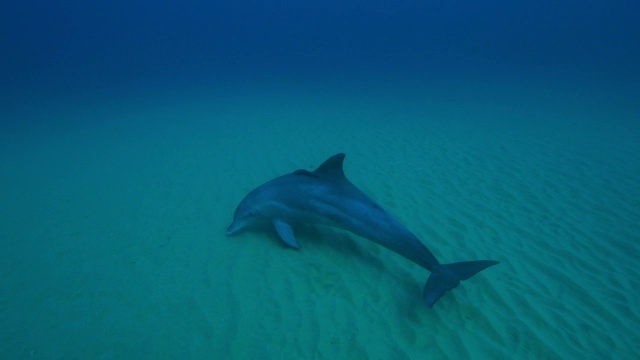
<point x="331" y="168"/>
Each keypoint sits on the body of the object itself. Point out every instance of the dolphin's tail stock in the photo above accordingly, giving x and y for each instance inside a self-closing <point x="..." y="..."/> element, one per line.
<point x="448" y="276"/>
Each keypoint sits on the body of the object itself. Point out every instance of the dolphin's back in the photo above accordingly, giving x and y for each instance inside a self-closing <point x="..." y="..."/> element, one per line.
<point x="368" y="219"/>
<point x="351" y="209"/>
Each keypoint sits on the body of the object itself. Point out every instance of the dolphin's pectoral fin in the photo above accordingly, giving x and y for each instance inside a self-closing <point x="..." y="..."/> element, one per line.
<point x="286" y="233"/>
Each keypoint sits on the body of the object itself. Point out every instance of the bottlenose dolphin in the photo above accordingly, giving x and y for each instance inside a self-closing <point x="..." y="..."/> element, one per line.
<point x="326" y="197"/>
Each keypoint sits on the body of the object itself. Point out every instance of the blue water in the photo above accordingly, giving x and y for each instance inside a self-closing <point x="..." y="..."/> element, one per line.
<point x="67" y="47"/>
<point x="129" y="130"/>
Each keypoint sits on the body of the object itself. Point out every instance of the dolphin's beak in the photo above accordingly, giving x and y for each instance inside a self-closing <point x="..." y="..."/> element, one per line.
<point x="233" y="228"/>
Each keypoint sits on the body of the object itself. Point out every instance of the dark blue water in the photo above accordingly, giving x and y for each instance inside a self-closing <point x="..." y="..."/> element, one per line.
<point x="66" y="46"/>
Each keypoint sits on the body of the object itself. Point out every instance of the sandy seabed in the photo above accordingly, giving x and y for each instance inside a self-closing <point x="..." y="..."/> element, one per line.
<point x="114" y="215"/>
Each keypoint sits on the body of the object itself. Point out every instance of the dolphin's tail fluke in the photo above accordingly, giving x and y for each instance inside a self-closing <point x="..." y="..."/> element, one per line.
<point x="448" y="276"/>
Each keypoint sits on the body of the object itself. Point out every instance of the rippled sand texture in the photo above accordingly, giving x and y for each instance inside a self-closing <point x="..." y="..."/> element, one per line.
<point x="114" y="241"/>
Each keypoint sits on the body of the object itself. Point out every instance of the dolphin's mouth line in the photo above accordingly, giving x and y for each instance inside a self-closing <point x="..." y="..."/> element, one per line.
<point x="234" y="228"/>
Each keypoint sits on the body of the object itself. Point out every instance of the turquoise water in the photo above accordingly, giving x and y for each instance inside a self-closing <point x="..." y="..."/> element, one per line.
<point x="129" y="133"/>
<point x="114" y="212"/>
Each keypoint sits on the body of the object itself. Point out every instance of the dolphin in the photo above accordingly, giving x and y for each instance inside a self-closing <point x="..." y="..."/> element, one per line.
<point x="326" y="197"/>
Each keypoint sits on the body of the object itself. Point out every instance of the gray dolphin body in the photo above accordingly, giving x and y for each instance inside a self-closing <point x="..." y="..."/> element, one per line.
<point x="326" y="197"/>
